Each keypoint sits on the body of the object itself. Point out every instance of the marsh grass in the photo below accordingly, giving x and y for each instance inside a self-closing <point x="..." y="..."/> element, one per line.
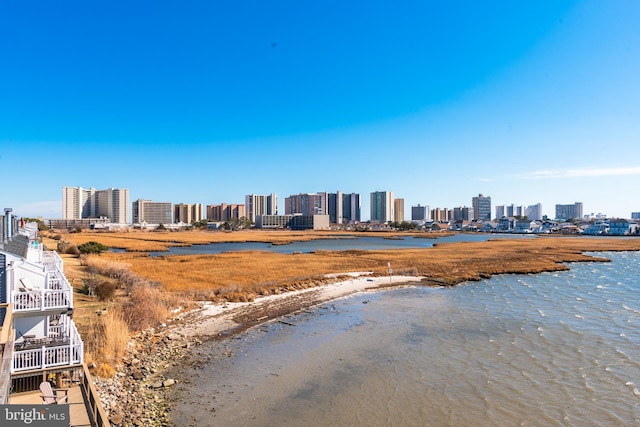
<point x="262" y="273"/>
<point x="106" y="339"/>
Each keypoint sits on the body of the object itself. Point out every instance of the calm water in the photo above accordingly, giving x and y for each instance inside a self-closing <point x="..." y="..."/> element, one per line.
<point x="362" y="243"/>
<point x="554" y="349"/>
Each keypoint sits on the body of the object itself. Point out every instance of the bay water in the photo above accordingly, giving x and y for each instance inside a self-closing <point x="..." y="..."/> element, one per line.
<point x="552" y="349"/>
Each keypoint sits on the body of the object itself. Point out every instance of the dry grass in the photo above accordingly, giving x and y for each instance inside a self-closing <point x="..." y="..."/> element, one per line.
<point x="450" y="263"/>
<point x="106" y="339"/>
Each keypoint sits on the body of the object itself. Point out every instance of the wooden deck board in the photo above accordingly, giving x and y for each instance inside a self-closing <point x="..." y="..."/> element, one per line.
<point x="77" y="408"/>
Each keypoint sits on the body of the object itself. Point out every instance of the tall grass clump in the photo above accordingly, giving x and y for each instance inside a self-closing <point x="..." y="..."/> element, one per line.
<point x="147" y="306"/>
<point x="106" y="340"/>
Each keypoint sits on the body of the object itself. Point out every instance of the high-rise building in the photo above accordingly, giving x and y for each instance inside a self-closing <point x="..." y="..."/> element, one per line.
<point x="569" y="211"/>
<point x="187" y="213"/>
<point x="382" y="206"/>
<point x="534" y="212"/>
<point x="350" y="208"/>
<point x="305" y="204"/>
<point x="80" y="203"/>
<point x="419" y="213"/>
<point x="463" y="213"/>
<point x="398" y="210"/>
<point x="481" y="208"/>
<point x="225" y="212"/>
<point x="335" y="207"/>
<point x="260" y="205"/>
<point x="151" y="212"/>
<point x="442" y="215"/>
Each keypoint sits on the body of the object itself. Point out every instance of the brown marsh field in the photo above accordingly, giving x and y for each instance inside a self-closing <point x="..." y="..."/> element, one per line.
<point x="261" y="272"/>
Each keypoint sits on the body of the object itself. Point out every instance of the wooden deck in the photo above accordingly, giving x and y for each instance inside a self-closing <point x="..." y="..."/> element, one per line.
<point x="77" y="409"/>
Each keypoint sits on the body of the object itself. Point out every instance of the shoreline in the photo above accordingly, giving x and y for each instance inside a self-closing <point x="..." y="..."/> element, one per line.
<point x="222" y="320"/>
<point x="140" y="392"/>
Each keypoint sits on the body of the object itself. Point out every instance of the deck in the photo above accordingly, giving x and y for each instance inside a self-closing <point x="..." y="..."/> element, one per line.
<point x="78" y="411"/>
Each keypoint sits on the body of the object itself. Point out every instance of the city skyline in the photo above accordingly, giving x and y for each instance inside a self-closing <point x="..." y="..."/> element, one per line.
<point x="526" y="102"/>
<point x="83" y="203"/>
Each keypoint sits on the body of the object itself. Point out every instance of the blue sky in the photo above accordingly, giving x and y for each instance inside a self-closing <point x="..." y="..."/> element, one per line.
<point x="206" y="101"/>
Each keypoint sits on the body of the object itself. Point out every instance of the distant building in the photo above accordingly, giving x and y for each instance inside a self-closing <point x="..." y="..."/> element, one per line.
<point x="260" y="205"/>
<point x="187" y="213"/>
<point x="293" y="222"/>
<point x="622" y="227"/>
<point x="305" y="204"/>
<point x="635" y="215"/>
<point x="481" y="208"/>
<point x="225" y="212"/>
<point x="534" y="212"/>
<point x="342" y="208"/>
<point x="382" y="206"/>
<point x="462" y="214"/>
<point x="351" y="208"/>
<point x="442" y="215"/>
<point x="511" y="210"/>
<point x="565" y="212"/>
<point x="419" y="213"/>
<point x="398" y="210"/>
<point x="151" y="212"/>
<point x="81" y="203"/>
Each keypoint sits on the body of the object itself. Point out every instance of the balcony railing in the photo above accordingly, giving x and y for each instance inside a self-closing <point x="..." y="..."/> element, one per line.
<point x="52" y="261"/>
<point x="45" y="299"/>
<point x="56" y="293"/>
<point x="43" y="353"/>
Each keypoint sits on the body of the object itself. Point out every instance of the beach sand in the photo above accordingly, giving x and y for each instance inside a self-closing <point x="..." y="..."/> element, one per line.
<point x="220" y="320"/>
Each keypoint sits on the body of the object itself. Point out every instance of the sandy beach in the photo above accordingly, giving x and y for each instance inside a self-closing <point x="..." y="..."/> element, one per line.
<point x="219" y="320"/>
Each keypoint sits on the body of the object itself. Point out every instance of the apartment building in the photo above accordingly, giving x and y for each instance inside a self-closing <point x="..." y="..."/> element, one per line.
<point x="225" y="212"/>
<point x="307" y="204"/>
<point x="382" y="207"/>
<point x="398" y="210"/>
<point x="187" y="213"/>
<point x="463" y="213"/>
<point x="419" y="213"/>
<point x="147" y="211"/>
<point x="566" y="212"/>
<point x="80" y="203"/>
<point x="343" y="208"/>
<point x="481" y="207"/>
<point x="36" y="296"/>
<point x="256" y="204"/>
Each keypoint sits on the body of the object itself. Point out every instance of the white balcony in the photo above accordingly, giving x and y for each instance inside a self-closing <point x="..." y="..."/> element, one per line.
<point x="45" y="299"/>
<point x="50" y="292"/>
<point x="62" y="348"/>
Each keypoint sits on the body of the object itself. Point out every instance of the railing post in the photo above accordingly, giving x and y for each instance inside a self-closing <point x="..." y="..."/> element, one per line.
<point x="43" y="360"/>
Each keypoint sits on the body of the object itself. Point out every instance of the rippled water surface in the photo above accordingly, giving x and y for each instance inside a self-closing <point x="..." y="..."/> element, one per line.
<point x="554" y="349"/>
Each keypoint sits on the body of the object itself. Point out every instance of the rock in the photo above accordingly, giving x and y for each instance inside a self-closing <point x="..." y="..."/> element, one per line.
<point x="168" y="382"/>
<point x="116" y="418"/>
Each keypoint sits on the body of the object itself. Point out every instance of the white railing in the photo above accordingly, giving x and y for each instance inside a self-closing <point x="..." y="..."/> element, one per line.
<point x="54" y="354"/>
<point x="41" y="300"/>
<point x="52" y="261"/>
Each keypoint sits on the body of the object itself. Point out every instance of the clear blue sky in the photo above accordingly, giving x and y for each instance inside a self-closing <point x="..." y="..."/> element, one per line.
<point x="207" y="101"/>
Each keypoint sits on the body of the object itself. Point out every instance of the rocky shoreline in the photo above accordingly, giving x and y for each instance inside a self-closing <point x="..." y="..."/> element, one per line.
<point x="138" y="395"/>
